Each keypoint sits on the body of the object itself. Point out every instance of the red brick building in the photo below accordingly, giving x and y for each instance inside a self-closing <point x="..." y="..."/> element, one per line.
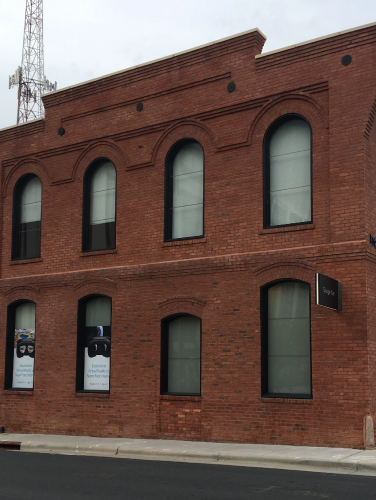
<point x="161" y="232"/>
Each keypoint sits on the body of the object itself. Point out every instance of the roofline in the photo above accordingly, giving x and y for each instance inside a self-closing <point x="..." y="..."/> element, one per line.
<point x="21" y="124"/>
<point x="158" y="60"/>
<point x="315" y="40"/>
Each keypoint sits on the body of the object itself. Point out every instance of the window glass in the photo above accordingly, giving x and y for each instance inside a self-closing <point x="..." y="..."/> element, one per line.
<point x="24" y="346"/>
<point x="290" y="173"/>
<point x="103" y="193"/>
<point x="98" y="312"/>
<point x="97" y="344"/>
<point x="289" y="351"/>
<point x="184" y="355"/>
<point x="188" y="191"/>
<point x="31" y="201"/>
<point x="27" y="222"/>
<point x="101" y="214"/>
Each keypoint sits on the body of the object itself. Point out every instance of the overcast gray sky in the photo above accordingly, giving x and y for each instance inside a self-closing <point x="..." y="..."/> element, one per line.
<point x="84" y="39"/>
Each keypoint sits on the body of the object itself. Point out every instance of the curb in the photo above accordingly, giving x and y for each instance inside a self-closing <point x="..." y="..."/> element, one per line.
<point x="69" y="449"/>
<point x="261" y="460"/>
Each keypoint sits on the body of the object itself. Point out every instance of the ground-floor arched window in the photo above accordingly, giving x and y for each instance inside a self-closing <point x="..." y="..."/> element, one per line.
<point x="20" y="346"/>
<point x="94" y="344"/>
<point x="286" y="339"/>
<point x="181" y="355"/>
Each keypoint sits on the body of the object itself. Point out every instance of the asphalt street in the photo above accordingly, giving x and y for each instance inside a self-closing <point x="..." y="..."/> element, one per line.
<point x="34" y="476"/>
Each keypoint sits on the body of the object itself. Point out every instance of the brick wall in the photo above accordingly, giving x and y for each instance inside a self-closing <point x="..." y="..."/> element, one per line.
<point x="218" y="277"/>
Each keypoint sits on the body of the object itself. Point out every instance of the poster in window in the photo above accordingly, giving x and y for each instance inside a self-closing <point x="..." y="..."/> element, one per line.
<point x="97" y="359"/>
<point x="23" y="359"/>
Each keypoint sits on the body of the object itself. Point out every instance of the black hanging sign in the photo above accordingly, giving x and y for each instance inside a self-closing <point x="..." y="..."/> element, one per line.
<point x="372" y="240"/>
<point x="328" y="292"/>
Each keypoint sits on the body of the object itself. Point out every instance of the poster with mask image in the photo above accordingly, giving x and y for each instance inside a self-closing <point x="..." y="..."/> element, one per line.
<point x="97" y="344"/>
<point x="24" y="346"/>
<point x="23" y="360"/>
<point x="97" y="363"/>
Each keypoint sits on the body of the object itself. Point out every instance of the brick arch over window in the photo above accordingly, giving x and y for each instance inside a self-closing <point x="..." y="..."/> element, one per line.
<point x="183" y="130"/>
<point x="17" y="293"/>
<point x="100" y="149"/>
<point x="181" y="305"/>
<point x="27" y="166"/>
<point x="301" y="271"/>
<point x="94" y="286"/>
<point x="297" y="104"/>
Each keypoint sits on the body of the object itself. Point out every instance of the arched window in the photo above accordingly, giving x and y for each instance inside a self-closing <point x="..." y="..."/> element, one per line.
<point x="181" y="355"/>
<point x="94" y="344"/>
<point x="20" y="346"/>
<point x="287" y="172"/>
<point x="184" y="203"/>
<point x="27" y="212"/>
<point x="99" y="216"/>
<point x="286" y="340"/>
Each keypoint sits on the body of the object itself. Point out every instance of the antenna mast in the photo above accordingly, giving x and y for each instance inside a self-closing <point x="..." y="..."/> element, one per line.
<point x="30" y="75"/>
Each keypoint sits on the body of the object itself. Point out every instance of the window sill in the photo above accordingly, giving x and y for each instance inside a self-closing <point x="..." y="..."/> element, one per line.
<point x="15" y="392"/>
<point x="287" y="229"/>
<point x="92" y="395"/>
<point x="98" y="252"/>
<point x="25" y="261"/>
<point x="171" y="397"/>
<point x="183" y="242"/>
<point x="287" y="401"/>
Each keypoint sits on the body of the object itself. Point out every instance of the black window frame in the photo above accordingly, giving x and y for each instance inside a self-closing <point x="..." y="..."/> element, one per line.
<point x="16" y="250"/>
<point x="164" y="355"/>
<point x="169" y="191"/>
<point x="86" y="206"/>
<point x="266" y="169"/>
<point x="9" y="345"/>
<point x="81" y="340"/>
<point x="265" y="337"/>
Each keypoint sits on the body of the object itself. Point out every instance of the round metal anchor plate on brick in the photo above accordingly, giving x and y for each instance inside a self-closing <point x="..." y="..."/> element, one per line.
<point x="61" y="131"/>
<point x="231" y="87"/>
<point x="139" y="106"/>
<point x="346" y="60"/>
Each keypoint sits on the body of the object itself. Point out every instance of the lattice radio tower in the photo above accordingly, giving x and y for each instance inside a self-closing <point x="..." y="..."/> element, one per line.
<point x="29" y="77"/>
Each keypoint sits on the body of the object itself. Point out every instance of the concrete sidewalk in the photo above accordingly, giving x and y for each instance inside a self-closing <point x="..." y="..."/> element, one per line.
<point x="338" y="460"/>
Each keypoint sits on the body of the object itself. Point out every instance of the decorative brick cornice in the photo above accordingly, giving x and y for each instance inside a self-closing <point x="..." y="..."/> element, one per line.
<point x="252" y="40"/>
<point x="147" y="97"/>
<point x="315" y="49"/>
<point x="23" y="130"/>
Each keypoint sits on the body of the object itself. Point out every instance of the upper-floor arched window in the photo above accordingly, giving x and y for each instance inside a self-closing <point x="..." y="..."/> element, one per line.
<point x="286" y="339"/>
<point x="184" y="200"/>
<point x="27" y="212"/>
<point x="287" y="172"/>
<point x="99" y="214"/>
